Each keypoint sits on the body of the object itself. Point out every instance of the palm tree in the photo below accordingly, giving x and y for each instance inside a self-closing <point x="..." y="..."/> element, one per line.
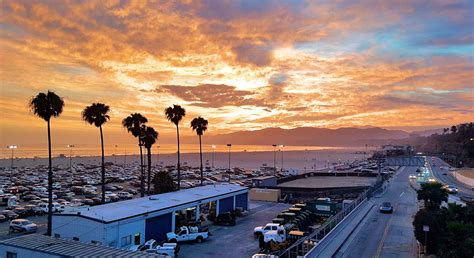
<point x="135" y="124"/>
<point x="96" y="114"/>
<point x="199" y="125"/>
<point x="163" y="183"/>
<point x="175" y="114"/>
<point x="433" y="194"/>
<point x="149" y="138"/>
<point x="46" y="106"/>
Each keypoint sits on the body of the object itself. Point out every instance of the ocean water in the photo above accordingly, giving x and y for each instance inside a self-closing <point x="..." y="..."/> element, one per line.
<point x="85" y="150"/>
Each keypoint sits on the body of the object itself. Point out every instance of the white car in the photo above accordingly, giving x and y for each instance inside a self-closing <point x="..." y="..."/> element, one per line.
<point x="187" y="234"/>
<point x="150" y="244"/>
<point x="22" y="225"/>
<point x="125" y="195"/>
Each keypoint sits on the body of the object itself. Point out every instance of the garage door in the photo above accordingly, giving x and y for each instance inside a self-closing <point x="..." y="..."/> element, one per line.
<point x="157" y="227"/>
<point x="241" y="200"/>
<point x="226" y="204"/>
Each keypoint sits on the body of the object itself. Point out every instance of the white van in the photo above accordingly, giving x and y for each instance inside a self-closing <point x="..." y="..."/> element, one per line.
<point x="44" y="206"/>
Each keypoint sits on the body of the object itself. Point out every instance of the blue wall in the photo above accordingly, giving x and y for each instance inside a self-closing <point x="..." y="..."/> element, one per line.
<point x="226" y="204"/>
<point x="241" y="200"/>
<point x="157" y="227"/>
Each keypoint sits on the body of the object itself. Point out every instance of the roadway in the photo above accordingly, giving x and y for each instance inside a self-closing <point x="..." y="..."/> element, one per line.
<point x="445" y="176"/>
<point x="386" y="235"/>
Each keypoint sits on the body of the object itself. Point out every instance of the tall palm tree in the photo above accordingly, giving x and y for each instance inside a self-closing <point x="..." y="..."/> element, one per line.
<point x="46" y="106"/>
<point x="96" y="114"/>
<point x="149" y="138"/>
<point x="175" y="114"/>
<point x="199" y="125"/>
<point x="135" y="124"/>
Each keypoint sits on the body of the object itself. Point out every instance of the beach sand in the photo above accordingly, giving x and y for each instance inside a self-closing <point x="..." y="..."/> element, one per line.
<point x="300" y="160"/>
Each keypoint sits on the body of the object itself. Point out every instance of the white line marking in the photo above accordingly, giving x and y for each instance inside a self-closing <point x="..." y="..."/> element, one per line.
<point x="402" y="194"/>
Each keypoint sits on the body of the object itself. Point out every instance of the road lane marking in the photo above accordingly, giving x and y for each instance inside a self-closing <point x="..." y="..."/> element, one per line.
<point x="402" y="194"/>
<point x="385" y="233"/>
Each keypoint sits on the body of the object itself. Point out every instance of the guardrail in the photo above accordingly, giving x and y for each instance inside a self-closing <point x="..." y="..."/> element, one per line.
<point x="304" y="245"/>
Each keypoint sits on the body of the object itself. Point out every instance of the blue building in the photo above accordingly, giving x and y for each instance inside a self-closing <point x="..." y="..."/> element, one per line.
<point x="135" y="221"/>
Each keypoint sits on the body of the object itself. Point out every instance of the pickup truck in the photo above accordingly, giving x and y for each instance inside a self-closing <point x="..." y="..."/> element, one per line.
<point x="187" y="234"/>
<point x="262" y="230"/>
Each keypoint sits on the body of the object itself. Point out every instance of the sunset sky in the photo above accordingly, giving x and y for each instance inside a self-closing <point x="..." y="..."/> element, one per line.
<point x="243" y="65"/>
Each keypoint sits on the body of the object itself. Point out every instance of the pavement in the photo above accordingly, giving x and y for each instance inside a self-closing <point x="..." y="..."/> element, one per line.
<point x="330" y="182"/>
<point x="236" y="241"/>
<point x="386" y="235"/>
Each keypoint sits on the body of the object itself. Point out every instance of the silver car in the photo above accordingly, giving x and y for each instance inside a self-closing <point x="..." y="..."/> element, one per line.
<point x="22" y="225"/>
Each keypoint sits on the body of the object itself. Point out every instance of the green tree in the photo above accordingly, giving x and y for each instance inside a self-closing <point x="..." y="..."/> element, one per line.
<point x="149" y="138"/>
<point x="163" y="183"/>
<point x="426" y="217"/>
<point x="96" y="114"/>
<point x="46" y="106"/>
<point x="175" y="114"/>
<point x="433" y="194"/>
<point x="135" y="124"/>
<point x="199" y="125"/>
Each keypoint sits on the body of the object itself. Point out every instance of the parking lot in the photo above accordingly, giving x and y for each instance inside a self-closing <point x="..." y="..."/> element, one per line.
<point x="235" y="241"/>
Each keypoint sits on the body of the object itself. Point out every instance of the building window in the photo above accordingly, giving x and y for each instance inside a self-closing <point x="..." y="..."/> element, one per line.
<point x="57" y="235"/>
<point x="96" y="242"/>
<point x="11" y="255"/>
<point x="75" y="238"/>
<point x="126" y="240"/>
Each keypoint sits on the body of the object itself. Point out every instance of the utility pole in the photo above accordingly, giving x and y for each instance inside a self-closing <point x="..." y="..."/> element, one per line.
<point x="12" y="147"/>
<point x="281" y="149"/>
<point x="158" y="155"/>
<point x="115" y="154"/>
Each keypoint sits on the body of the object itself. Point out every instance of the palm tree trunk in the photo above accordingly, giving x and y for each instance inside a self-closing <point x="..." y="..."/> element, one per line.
<point x="50" y="184"/>
<point x="142" y="186"/>
<point x="149" y="170"/>
<point x="103" y="165"/>
<point x="200" y="155"/>
<point x="179" y="165"/>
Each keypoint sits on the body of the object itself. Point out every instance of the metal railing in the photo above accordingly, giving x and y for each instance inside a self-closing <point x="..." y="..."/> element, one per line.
<point x="304" y="245"/>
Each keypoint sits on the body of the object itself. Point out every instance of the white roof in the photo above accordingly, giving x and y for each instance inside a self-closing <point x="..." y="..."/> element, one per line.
<point x="124" y="209"/>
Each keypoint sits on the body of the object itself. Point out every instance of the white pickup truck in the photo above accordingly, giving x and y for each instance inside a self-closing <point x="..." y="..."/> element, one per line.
<point x="187" y="234"/>
<point x="257" y="231"/>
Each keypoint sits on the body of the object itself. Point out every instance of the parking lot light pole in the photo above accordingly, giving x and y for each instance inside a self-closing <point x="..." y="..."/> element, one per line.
<point x="281" y="149"/>
<point x="115" y="154"/>
<point x="274" y="159"/>
<point x="70" y="146"/>
<point x="158" y="155"/>
<point x="229" y="145"/>
<point x="213" y="153"/>
<point x="12" y="147"/>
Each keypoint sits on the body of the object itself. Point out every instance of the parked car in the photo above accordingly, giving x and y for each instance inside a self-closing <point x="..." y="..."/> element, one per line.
<point x="3" y="218"/>
<point x="187" y="234"/>
<point x="150" y="244"/>
<point x="22" y="225"/>
<point x="262" y="230"/>
<point x="225" y="218"/>
<point x="124" y="195"/>
<point x="9" y="214"/>
<point x="30" y="197"/>
<point x="386" y="207"/>
<point x="22" y="212"/>
<point x="167" y="249"/>
<point x="33" y="209"/>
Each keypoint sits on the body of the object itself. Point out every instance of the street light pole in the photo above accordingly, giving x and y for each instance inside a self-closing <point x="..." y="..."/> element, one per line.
<point x="115" y="154"/>
<point x="229" y="145"/>
<point x="12" y="147"/>
<point x="213" y="153"/>
<point x="70" y="146"/>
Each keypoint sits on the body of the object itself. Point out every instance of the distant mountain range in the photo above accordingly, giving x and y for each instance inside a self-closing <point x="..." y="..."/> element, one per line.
<point x="309" y="136"/>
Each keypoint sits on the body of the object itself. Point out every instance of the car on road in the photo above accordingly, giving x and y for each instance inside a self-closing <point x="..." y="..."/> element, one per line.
<point x="386" y="207"/>
<point x="412" y="176"/>
<point x="22" y="225"/>
<point x="451" y="189"/>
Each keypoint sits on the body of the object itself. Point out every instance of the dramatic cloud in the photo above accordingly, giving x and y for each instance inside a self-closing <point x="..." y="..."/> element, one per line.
<point x="241" y="64"/>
